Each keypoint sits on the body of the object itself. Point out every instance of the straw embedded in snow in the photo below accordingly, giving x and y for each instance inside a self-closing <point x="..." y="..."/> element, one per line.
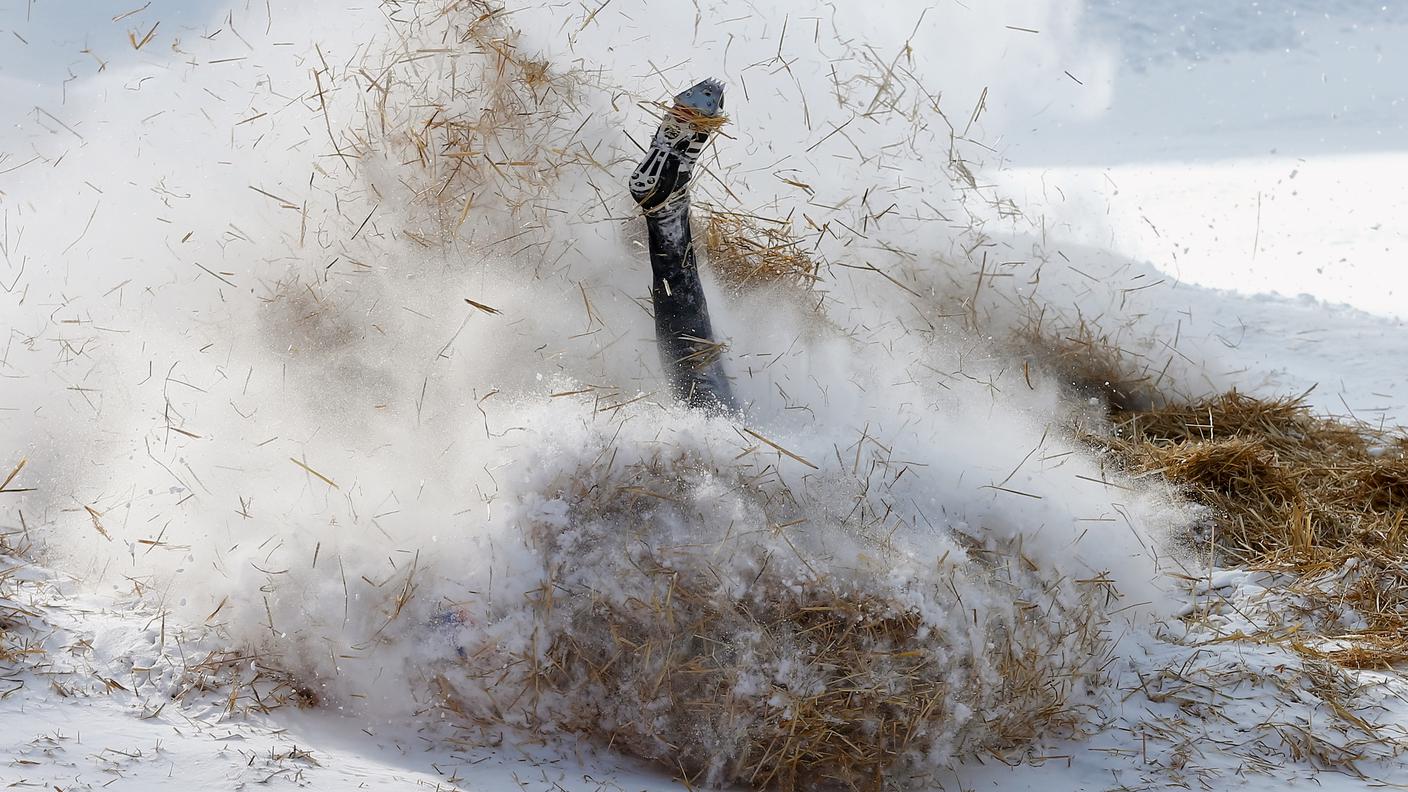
<point x="1291" y="492"/>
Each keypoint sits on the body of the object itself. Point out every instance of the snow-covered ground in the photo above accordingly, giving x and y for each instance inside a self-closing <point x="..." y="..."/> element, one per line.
<point x="111" y="707"/>
<point x="1255" y="158"/>
<point x="1256" y="149"/>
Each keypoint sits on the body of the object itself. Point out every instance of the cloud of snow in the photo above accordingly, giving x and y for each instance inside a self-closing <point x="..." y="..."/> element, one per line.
<point x="239" y="357"/>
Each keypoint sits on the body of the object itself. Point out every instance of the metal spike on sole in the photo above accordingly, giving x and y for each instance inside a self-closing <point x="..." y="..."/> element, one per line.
<point x="662" y="177"/>
<point x="705" y="98"/>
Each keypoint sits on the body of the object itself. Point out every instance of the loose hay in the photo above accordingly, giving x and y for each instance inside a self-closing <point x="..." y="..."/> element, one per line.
<point x="747" y="251"/>
<point x="1090" y="362"/>
<point x="692" y="117"/>
<point x="737" y="659"/>
<point x="1321" y="499"/>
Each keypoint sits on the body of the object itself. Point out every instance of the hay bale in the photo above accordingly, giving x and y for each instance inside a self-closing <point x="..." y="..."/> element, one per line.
<point x="1284" y="424"/>
<point x="1280" y="479"/>
<point x="791" y="651"/>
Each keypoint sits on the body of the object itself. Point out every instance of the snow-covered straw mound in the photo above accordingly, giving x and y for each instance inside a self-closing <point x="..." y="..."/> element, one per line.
<point x="746" y="624"/>
<point x="281" y="416"/>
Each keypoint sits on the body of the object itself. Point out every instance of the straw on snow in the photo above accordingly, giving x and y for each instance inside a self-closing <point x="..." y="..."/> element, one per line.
<point x="1292" y="492"/>
<point x="1322" y="500"/>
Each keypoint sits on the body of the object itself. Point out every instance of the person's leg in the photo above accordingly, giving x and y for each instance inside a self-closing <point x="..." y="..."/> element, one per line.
<point x="692" y="358"/>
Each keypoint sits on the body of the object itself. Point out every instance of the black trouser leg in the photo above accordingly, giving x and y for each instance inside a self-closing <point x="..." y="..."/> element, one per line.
<point x="690" y="355"/>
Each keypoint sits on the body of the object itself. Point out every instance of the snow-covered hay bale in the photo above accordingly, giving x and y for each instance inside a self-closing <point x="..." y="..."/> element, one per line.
<point x="696" y="616"/>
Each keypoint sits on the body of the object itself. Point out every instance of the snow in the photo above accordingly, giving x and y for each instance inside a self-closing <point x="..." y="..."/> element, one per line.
<point x="1249" y="149"/>
<point x="1258" y="165"/>
<point x="118" y="727"/>
<point x="1253" y="162"/>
